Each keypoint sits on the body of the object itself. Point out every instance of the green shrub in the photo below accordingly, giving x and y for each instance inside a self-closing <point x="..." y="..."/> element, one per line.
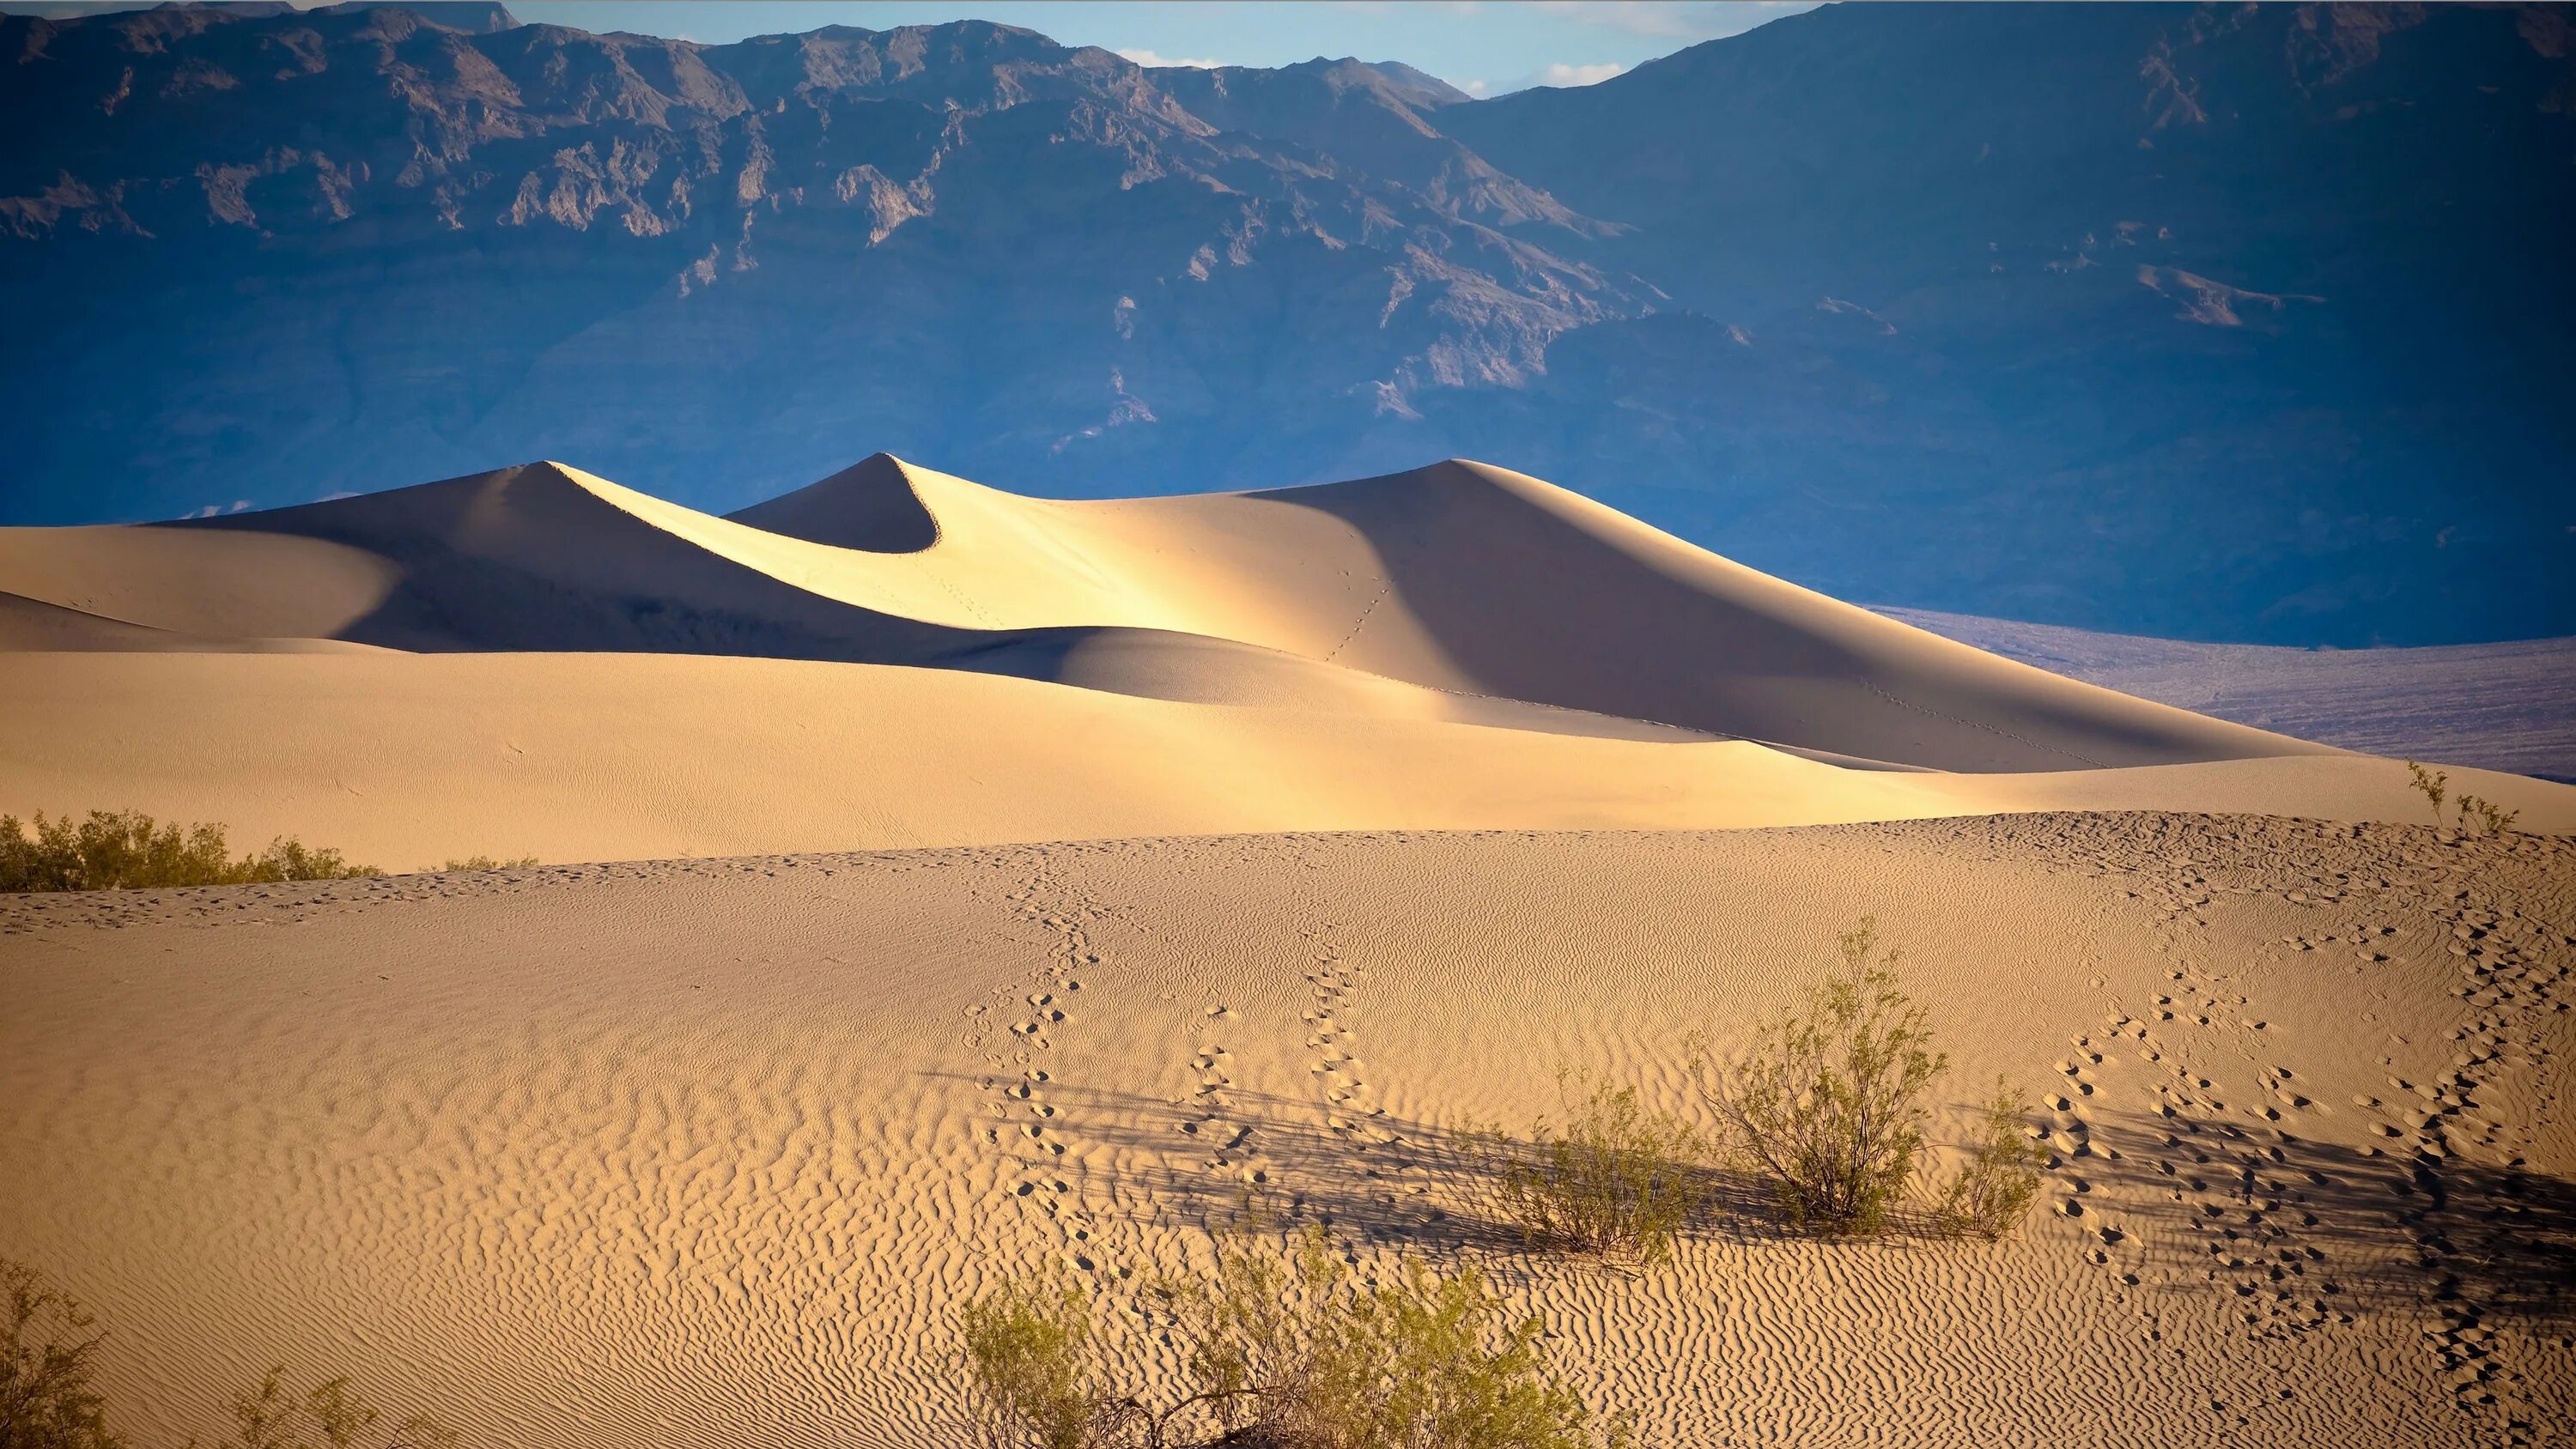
<point x="2475" y="813"/>
<point x="2433" y="784"/>
<point x="1033" y="1370"/>
<point x="269" y="1417"/>
<point x="1614" y="1179"/>
<point x="2494" y="818"/>
<point x="47" y="1348"/>
<point x="1829" y="1106"/>
<point x="120" y="849"/>
<point x="1298" y="1353"/>
<point x="1287" y="1351"/>
<point x="486" y="862"/>
<point x="1994" y="1188"/>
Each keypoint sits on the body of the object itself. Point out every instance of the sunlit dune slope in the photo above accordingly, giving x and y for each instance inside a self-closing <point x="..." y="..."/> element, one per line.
<point x="405" y="761"/>
<point x="1458" y="592"/>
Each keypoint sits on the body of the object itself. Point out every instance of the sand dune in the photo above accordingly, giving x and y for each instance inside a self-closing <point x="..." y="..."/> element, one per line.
<point x="537" y="660"/>
<point x="688" y="1154"/>
<point x="1460" y="578"/>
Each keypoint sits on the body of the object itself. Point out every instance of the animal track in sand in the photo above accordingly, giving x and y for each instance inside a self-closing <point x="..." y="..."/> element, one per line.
<point x="2252" y="1211"/>
<point x="1205" y="1117"/>
<point x="1349" y="1102"/>
<point x="1041" y="1142"/>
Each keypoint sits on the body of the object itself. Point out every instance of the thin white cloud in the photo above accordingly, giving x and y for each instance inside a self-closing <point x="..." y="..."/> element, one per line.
<point x="1152" y="59"/>
<point x="1578" y="75"/>
<point x="1555" y="75"/>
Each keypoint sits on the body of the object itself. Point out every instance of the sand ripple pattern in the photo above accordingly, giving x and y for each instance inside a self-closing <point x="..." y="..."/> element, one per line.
<point x="687" y="1153"/>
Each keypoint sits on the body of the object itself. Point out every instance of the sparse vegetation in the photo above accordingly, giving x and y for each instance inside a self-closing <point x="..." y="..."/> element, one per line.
<point x="270" y="1417"/>
<point x="1034" y="1372"/>
<point x="1830" y="1104"/>
<point x="120" y="849"/>
<point x="48" y="1359"/>
<point x="1289" y="1351"/>
<point x="1299" y="1353"/>
<point x="48" y="1352"/>
<point x="2433" y="783"/>
<point x="1613" y="1179"/>
<point x="2476" y="813"/>
<point x="2486" y="814"/>
<point x="1995" y="1186"/>
<point x="487" y="862"/>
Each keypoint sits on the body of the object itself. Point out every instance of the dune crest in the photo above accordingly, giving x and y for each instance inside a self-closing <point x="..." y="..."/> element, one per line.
<point x="875" y="506"/>
<point x="1460" y="577"/>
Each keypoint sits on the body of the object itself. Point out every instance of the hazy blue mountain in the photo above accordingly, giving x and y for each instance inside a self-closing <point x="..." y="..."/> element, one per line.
<point x="2243" y="319"/>
<point x="2250" y="323"/>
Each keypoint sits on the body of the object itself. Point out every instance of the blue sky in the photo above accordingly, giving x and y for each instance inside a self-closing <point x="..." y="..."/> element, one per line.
<point x="1486" y="47"/>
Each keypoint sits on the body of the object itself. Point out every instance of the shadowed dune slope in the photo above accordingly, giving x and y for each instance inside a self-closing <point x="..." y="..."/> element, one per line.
<point x="1458" y="592"/>
<point x="1474" y="579"/>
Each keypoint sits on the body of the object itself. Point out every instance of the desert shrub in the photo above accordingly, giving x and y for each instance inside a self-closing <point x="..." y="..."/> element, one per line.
<point x="1032" y="1367"/>
<point x="47" y="1348"/>
<point x="119" y="849"/>
<point x="1612" y="1179"/>
<point x="2475" y="813"/>
<point x="1995" y="1186"/>
<point x="1296" y="1352"/>
<point x="1830" y="1104"/>
<point x="486" y="862"/>
<point x="2433" y="784"/>
<point x="333" y="1413"/>
<point x="2493" y="818"/>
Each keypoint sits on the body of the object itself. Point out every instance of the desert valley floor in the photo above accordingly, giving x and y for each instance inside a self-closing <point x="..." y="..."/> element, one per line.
<point x="998" y="882"/>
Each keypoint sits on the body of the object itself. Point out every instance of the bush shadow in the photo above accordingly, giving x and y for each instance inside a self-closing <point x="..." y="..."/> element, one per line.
<point x="2282" y="1218"/>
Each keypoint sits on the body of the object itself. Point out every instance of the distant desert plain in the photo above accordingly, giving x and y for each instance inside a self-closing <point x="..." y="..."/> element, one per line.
<point x="936" y="883"/>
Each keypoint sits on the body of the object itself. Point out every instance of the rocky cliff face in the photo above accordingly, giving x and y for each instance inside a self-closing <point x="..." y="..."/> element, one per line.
<point x="2249" y="322"/>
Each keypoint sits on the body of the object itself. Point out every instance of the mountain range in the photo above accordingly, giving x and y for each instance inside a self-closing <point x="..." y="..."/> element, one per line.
<point x="2248" y="322"/>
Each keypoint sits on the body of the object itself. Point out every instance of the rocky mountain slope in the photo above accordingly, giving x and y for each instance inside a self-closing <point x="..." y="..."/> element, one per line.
<point x="2226" y="323"/>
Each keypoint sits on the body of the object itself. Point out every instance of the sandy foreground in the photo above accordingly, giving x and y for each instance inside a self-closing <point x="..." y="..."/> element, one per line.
<point x="709" y="1152"/>
<point x="1246" y="840"/>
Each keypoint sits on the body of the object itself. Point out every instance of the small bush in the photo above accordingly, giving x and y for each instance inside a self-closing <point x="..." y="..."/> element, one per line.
<point x="2486" y="813"/>
<point x="125" y="849"/>
<point x="486" y="862"/>
<point x="269" y="1417"/>
<point x="1297" y="1353"/>
<point x="1614" y="1180"/>
<point x="1283" y="1351"/>
<point x="47" y="1345"/>
<point x="2433" y="784"/>
<point x="1830" y="1104"/>
<point x="1030" y="1361"/>
<point x="1994" y="1189"/>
